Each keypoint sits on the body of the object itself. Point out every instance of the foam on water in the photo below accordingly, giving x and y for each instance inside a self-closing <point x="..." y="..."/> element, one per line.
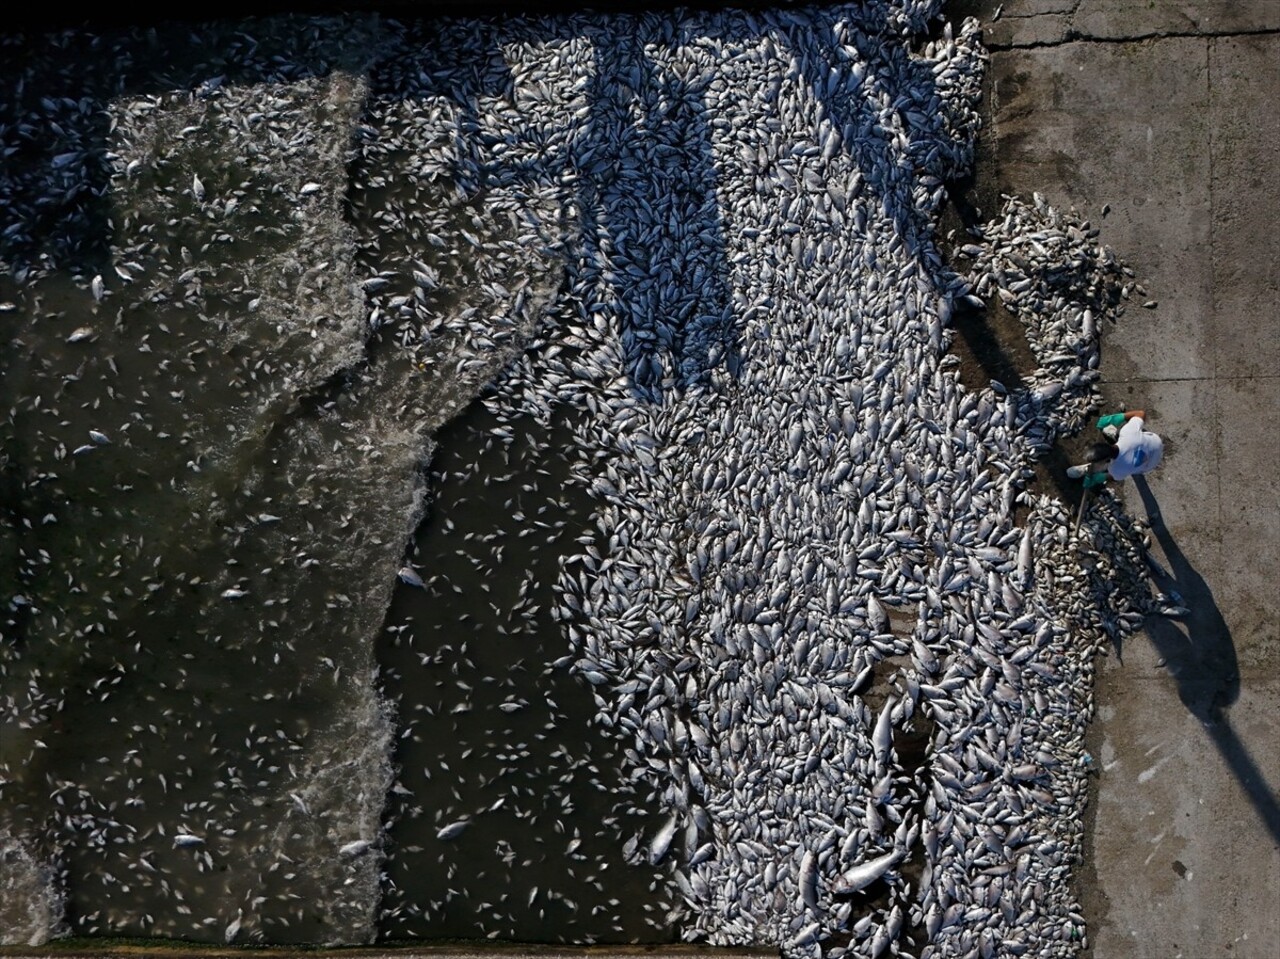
<point x="30" y="894"/>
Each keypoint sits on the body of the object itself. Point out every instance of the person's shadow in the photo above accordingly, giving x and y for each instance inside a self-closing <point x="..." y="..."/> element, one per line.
<point x="1199" y="653"/>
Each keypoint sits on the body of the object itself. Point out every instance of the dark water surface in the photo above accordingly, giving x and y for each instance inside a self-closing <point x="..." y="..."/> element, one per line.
<point x="494" y="731"/>
<point x="194" y="739"/>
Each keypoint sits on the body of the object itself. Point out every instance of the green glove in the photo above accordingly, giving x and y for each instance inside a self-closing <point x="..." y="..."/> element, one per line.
<point x="1115" y="419"/>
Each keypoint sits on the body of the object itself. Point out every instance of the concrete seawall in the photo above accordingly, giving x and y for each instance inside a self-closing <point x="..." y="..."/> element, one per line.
<point x="1157" y="122"/>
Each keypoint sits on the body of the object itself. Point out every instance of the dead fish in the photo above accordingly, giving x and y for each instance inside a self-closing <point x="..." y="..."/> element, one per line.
<point x="452" y="831"/>
<point x="662" y="841"/>
<point x="882" y="736"/>
<point x="861" y="876"/>
<point x="410" y="575"/>
<point x="1024" y="557"/>
<point x="809" y="879"/>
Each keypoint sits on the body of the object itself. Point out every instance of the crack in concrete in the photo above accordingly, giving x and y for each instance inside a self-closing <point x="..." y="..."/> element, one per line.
<point x="1070" y="36"/>
<point x="1241" y="377"/>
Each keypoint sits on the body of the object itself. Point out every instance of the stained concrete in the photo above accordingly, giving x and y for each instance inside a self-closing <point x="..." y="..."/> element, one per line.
<point x="1163" y="115"/>
<point x="1024" y="23"/>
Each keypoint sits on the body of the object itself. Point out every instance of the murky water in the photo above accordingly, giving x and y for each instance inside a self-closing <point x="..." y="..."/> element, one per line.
<point x="495" y="734"/>
<point x="174" y="656"/>
<point x="195" y="741"/>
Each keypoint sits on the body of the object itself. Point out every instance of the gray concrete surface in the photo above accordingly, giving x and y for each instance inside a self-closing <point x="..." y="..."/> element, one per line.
<point x="1025" y="23"/>
<point x="1166" y="113"/>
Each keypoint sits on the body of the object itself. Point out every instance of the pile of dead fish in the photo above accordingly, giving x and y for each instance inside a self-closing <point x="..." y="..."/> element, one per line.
<point x="853" y="683"/>
<point x="1047" y="269"/>
<point x="809" y="603"/>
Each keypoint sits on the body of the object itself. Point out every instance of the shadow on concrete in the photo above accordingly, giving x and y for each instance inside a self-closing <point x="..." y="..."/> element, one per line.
<point x="1200" y="654"/>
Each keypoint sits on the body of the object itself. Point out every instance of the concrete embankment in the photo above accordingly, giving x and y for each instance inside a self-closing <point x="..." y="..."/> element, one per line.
<point x="1157" y="122"/>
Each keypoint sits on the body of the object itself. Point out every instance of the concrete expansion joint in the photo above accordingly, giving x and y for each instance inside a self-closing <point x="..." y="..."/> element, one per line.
<point x="1071" y="35"/>
<point x="1212" y="378"/>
